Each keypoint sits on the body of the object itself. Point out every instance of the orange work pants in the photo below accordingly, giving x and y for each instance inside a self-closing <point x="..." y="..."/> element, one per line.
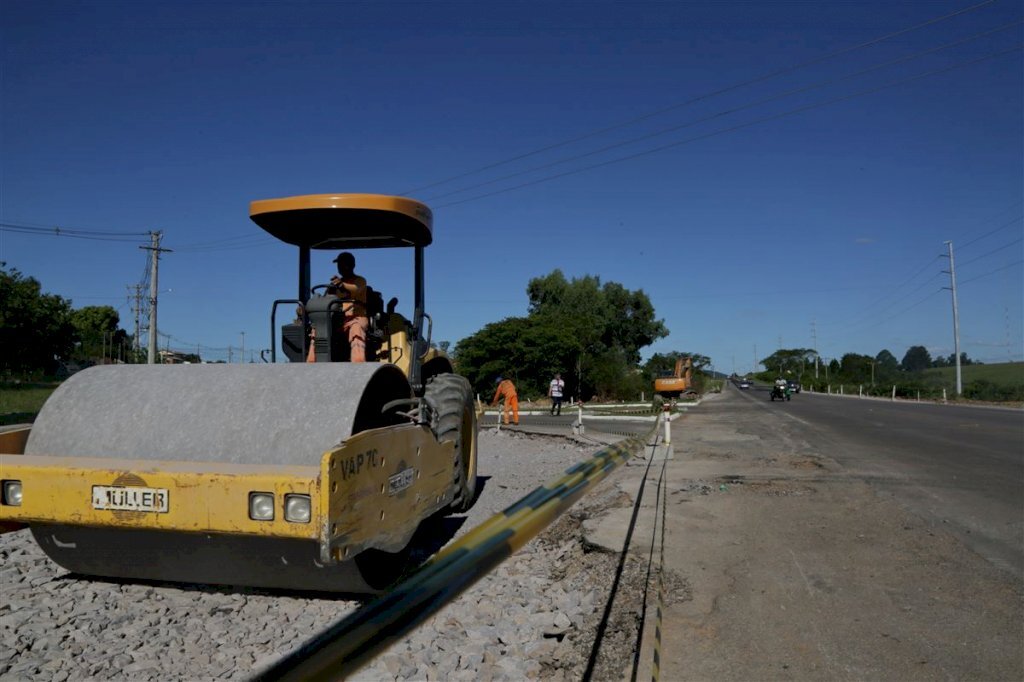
<point x="512" y="405"/>
<point x="355" y="329"/>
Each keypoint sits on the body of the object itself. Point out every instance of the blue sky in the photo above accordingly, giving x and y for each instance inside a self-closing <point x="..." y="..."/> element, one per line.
<point x="648" y="143"/>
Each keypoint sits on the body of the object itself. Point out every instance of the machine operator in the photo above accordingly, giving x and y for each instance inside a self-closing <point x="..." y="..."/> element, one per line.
<point x="351" y="289"/>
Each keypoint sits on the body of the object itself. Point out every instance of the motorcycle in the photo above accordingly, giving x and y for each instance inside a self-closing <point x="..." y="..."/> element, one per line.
<point x="782" y="393"/>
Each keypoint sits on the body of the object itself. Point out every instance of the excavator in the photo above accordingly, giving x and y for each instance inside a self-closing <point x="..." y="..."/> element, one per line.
<point x="677" y="382"/>
<point x="287" y="474"/>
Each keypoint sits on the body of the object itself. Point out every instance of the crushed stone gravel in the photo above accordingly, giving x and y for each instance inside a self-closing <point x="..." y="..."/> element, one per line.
<point x="534" y="617"/>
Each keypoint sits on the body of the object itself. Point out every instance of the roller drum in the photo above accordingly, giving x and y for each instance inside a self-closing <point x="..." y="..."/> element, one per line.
<point x="242" y="414"/>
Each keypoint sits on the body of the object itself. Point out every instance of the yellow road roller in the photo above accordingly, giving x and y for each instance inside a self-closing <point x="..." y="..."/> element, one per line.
<point x="306" y="471"/>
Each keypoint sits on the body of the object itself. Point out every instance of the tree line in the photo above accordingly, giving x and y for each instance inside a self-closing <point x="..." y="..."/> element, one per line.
<point x="589" y="331"/>
<point x="879" y="373"/>
<point x="41" y="333"/>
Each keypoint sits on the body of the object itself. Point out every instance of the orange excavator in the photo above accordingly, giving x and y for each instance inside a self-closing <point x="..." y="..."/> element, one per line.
<point x="672" y="384"/>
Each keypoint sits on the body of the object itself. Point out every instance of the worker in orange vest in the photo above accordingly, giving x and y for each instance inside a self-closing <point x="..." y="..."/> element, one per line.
<point x="507" y="390"/>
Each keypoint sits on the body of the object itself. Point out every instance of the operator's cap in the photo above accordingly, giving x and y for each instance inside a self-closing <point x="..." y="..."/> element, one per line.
<point x="345" y="255"/>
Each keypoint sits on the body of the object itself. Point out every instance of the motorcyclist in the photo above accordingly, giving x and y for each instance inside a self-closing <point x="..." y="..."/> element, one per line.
<point x="781" y="389"/>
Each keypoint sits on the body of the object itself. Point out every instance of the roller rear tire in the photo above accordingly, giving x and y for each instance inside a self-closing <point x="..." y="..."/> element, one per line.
<point x="455" y="421"/>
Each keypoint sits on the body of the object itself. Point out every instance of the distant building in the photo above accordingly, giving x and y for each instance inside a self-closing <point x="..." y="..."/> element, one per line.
<point x="170" y="357"/>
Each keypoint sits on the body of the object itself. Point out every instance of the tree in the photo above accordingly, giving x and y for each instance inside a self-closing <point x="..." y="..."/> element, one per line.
<point x="789" y="361"/>
<point x="36" y="333"/>
<point x="951" y="361"/>
<point x="887" y="360"/>
<point x="589" y="332"/>
<point x="917" y="359"/>
<point x="609" y="314"/>
<point x="856" y="368"/>
<point x="886" y="366"/>
<point x="98" y="332"/>
<point x="632" y="324"/>
<point x="659" y="363"/>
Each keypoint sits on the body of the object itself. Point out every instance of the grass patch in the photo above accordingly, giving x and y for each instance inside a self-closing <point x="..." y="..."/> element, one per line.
<point x="1002" y="374"/>
<point x="22" y="401"/>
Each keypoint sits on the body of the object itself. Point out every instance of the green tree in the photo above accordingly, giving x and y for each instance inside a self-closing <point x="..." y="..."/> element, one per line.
<point x="916" y="359"/>
<point x="856" y="368"/>
<point x="36" y="333"/>
<point x="590" y="333"/>
<point x="99" y="336"/>
<point x="632" y="324"/>
<point x="789" y="362"/>
<point x="886" y="366"/>
<point x="887" y="360"/>
<point x="659" y="363"/>
<point x="950" y="361"/>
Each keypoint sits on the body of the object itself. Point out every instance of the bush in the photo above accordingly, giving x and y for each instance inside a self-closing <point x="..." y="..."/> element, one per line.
<point x="981" y="389"/>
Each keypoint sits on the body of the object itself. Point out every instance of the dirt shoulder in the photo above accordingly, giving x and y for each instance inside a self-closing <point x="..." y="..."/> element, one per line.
<point x="787" y="567"/>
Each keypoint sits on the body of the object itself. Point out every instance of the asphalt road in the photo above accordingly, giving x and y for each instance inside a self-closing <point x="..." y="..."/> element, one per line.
<point x="962" y="466"/>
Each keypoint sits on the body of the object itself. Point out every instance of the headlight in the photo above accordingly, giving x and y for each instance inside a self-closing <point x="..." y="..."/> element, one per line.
<point x="297" y="508"/>
<point x="261" y="506"/>
<point x="12" y="493"/>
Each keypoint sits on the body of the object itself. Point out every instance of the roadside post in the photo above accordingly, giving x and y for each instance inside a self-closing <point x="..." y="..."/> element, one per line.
<point x="668" y="424"/>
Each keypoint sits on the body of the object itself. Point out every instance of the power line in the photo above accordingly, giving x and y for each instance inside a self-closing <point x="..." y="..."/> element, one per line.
<point x="727" y="112"/>
<point x="992" y="272"/>
<point x="227" y="244"/>
<point x="71" y="233"/>
<point x="740" y="126"/>
<point x="905" y="310"/>
<point x="715" y="93"/>
<point x="1001" y="227"/>
<point x="871" y="313"/>
<point x="984" y="255"/>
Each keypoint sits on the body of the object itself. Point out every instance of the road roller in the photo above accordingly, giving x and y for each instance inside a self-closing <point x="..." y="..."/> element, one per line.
<point x="306" y="471"/>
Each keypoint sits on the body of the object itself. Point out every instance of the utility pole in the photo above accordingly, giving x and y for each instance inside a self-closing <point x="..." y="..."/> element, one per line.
<point x="814" y="338"/>
<point x="154" y="273"/>
<point x="956" y="320"/>
<point x="135" y="300"/>
<point x="241" y="356"/>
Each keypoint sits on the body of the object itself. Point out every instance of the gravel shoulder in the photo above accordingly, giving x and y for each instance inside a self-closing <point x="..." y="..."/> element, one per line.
<point x="532" y="618"/>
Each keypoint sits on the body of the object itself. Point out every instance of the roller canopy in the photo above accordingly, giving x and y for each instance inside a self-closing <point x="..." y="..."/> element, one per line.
<point x="242" y="414"/>
<point x="345" y="221"/>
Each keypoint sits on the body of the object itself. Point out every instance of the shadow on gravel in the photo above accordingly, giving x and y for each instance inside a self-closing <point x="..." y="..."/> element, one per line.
<point x="214" y="589"/>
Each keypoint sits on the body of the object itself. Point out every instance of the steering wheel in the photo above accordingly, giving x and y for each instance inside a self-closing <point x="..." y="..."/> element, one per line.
<point x="337" y="291"/>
